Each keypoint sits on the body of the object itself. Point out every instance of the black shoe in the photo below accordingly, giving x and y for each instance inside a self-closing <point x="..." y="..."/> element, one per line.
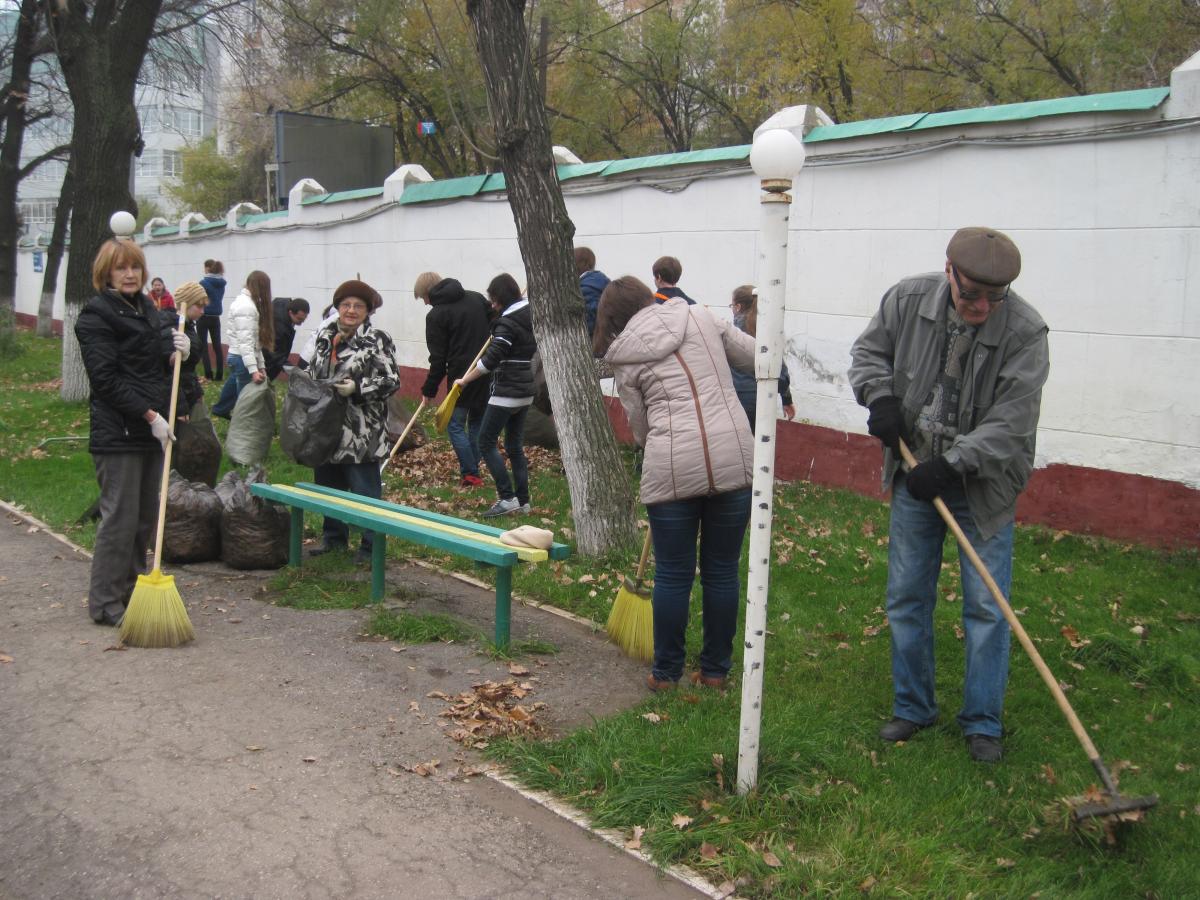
<point x="900" y="729"/>
<point x="109" y="620"/>
<point x="362" y="555"/>
<point x="984" y="748"/>
<point x="326" y="548"/>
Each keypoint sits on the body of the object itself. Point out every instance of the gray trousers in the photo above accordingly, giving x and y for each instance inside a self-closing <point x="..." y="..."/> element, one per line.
<point x="129" y="485"/>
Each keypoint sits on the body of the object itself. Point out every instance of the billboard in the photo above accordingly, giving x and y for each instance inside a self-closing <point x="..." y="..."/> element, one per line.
<point x="342" y="155"/>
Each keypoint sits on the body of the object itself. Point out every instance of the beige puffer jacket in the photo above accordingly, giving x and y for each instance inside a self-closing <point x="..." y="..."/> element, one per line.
<point x="672" y="371"/>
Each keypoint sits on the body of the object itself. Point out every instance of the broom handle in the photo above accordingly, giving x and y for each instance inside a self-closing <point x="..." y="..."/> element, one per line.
<point x="641" y="569"/>
<point x="404" y="434"/>
<point x="1051" y="682"/>
<point x="166" y="470"/>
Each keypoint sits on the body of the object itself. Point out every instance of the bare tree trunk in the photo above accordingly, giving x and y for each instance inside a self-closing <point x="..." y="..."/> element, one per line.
<point x="601" y="496"/>
<point x="54" y="255"/>
<point x="101" y="45"/>
<point x="15" y="103"/>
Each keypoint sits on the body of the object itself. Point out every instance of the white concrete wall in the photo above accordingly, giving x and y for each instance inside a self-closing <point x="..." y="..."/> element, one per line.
<point x="1109" y="231"/>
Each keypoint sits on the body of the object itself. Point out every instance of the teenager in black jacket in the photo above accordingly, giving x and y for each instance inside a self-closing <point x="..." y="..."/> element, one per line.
<point x="456" y="326"/>
<point x="509" y="361"/>
<point x="127" y="352"/>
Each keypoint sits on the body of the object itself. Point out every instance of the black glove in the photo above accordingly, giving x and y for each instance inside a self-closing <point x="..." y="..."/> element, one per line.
<point x="929" y="479"/>
<point x="886" y="422"/>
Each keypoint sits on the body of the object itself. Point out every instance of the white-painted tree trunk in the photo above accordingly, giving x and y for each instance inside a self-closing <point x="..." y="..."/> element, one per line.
<point x="771" y="285"/>
<point x="75" y="387"/>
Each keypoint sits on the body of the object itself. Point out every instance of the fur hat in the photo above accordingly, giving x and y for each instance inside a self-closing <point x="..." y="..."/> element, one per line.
<point x="190" y="293"/>
<point x="528" y="536"/>
<point x="359" y="289"/>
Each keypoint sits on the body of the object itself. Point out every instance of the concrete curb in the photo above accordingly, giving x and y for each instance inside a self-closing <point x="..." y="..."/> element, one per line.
<point x="38" y="523"/>
<point x="611" y="836"/>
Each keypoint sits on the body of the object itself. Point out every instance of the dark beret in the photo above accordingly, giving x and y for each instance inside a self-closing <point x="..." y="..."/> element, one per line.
<point x="984" y="255"/>
<point x="359" y="289"/>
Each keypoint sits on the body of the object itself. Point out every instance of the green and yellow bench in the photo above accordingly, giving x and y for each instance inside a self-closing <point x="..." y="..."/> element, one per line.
<point x="461" y="537"/>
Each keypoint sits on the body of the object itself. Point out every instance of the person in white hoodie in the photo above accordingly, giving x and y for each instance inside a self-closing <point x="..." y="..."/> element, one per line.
<point x="251" y="327"/>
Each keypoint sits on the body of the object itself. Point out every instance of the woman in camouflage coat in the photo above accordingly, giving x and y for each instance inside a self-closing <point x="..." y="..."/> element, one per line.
<point x="360" y="360"/>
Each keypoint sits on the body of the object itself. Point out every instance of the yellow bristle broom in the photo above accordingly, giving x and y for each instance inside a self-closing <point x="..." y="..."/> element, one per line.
<point x="156" y="616"/>
<point x="441" y="418"/>
<point x="631" y="622"/>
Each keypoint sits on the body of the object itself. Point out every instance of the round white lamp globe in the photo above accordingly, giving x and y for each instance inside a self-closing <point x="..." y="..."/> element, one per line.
<point x="122" y="223"/>
<point x="776" y="154"/>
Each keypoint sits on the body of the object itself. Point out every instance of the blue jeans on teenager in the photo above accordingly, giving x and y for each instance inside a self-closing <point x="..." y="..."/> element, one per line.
<point x="510" y="420"/>
<point x="239" y="377"/>
<point x="358" y="478"/>
<point x="463" y="431"/>
<point x="721" y="522"/>
<point x="914" y="560"/>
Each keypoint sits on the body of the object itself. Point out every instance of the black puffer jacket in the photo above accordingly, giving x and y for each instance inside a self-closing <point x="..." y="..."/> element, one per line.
<point x="456" y="326"/>
<point x="509" y="356"/>
<point x="126" y="348"/>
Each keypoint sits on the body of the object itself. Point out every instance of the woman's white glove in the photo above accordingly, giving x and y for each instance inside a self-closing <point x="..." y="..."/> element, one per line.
<point x="345" y="388"/>
<point x="161" y="431"/>
<point x="182" y="343"/>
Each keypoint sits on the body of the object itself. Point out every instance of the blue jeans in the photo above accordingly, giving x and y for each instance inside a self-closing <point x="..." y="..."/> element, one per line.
<point x="357" y="478"/>
<point x="463" y="431"/>
<point x="512" y="421"/>
<point x="239" y="377"/>
<point x="914" y="561"/>
<point x="721" y="522"/>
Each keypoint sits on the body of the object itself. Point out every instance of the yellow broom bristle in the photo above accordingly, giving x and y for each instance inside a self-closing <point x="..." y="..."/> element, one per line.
<point x="441" y="418"/>
<point x="631" y="624"/>
<point x="156" y="616"/>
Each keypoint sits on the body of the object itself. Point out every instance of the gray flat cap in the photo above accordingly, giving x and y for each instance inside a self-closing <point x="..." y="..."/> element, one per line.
<point x="984" y="255"/>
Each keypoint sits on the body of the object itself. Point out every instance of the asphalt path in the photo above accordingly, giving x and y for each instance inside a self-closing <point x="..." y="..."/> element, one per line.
<point x="272" y="756"/>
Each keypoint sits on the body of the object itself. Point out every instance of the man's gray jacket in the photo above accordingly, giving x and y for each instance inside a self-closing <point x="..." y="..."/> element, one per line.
<point x="899" y="354"/>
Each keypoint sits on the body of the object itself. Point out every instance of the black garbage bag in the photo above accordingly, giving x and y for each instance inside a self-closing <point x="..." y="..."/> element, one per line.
<point x="252" y="424"/>
<point x="192" y="532"/>
<point x="399" y="414"/>
<point x="540" y="430"/>
<point x="313" y="412"/>
<point x="197" y="452"/>
<point x="254" y="532"/>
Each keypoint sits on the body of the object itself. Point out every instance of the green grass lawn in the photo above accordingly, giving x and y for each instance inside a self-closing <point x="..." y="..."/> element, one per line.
<point x="836" y="810"/>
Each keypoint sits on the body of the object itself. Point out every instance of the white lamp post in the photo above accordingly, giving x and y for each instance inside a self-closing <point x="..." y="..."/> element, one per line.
<point x="777" y="157"/>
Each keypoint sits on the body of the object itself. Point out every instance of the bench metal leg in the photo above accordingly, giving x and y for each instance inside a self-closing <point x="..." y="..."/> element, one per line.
<point x="378" y="567"/>
<point x="503" y="606"/>
<point x="296" y="537"/>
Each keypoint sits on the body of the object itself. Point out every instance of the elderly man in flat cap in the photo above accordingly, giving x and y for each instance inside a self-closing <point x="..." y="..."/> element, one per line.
<point x="360" y="360"/>
<point x="953" y="363"/>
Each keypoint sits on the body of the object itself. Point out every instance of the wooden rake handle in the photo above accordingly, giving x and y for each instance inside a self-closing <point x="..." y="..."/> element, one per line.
<point x="407" y="428"/>
<point x="1047" y="676"/>
<point x="166" y="469"/>
<point x="641" y="568"/>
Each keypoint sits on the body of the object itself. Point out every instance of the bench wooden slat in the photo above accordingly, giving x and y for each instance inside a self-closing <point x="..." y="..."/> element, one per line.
<point x="476" y="550"/>
<point x="556" y="551"/>
<point x="396" y="513"/>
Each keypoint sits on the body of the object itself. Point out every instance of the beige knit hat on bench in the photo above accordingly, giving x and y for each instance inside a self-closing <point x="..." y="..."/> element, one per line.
<point x="528" y="536"/>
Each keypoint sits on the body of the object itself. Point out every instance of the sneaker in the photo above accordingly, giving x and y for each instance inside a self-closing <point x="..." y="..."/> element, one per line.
<point x="984" y="748"/>
<point x="362" y="555"/>
<point x="522" y="509"/>
<point x="471" y="481"/>
<point x="900" y="729"/>
<point x="502" y="508"/>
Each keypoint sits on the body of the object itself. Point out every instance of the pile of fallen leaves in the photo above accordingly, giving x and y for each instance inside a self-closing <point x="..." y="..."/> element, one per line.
<point x="491" y="709"/>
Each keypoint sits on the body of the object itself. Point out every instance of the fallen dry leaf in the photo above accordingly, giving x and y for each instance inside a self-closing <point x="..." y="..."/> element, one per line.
<point x="1048" y="774"/>
<point x="1183" y="767"/>
<point x="652" y="718"/>
<point x="1005" y="863"/>
<point x="5" y="658"/>
<point x="708" y="851"/>
<point x="771" y="859"/>
<point x="725" y="889"/>
<point x="517" y="669"/>
<point x="868" y="883"/>
<point x="253" y="748"/>
<point x="310" y="759"/>
<point x="635" y="842"/>
<point x="1073" y="637"/>
<point x="680" y="821"/>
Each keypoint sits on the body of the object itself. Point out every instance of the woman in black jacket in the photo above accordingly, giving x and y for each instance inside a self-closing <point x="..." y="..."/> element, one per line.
<point x="509" y="359"/>
<point x="127" y="352"/>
